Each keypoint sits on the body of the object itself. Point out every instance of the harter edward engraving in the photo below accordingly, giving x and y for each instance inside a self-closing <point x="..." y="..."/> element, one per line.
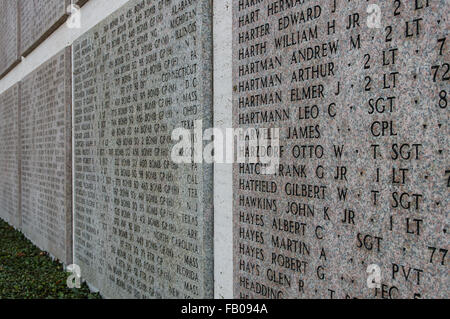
<point x="143" y="224"/>
<point x="46" y="156"/>
<point x="9" y="37"/>
<point x="38" y="19"/>
<point x="364" y="173"/>
<point x="10" y="157"/>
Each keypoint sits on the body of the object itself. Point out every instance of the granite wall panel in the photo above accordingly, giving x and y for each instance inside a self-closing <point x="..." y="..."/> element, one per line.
<point x="38" y="19"/>
<point x="359" y="92"/>
<point x="46" y="150"/>
<point x="10" y="157"/>
<point x="143" y="224"/>
<point x="9" y="36"/>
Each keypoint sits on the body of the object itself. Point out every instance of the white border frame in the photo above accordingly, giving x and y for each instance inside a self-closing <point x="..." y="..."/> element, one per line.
<point x="223" y="173"/>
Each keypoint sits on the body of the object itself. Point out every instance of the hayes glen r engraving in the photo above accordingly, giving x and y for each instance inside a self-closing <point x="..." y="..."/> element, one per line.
<point x="143" y="224"/>
<point x="46" y="156"/>
<point x="364" y="173"/>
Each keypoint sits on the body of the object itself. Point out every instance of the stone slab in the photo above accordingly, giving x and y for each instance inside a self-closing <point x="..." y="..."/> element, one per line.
<point x="46" y="142"/>
<point x="9" y="37"/>
<point x="10" y="157"/>
<point x="364" y="175"/>
<point x="38" y="19"/>
<point x="143" y="224"/>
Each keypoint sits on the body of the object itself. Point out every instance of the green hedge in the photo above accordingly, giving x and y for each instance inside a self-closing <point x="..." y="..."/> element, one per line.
<point x="27" y="272"/>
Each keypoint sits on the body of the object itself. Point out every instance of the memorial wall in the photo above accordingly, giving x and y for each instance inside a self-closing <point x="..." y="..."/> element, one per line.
<point x="46" y="156"/>
<point x="357" y="206"/>
<point x="359" y="93"/>
<point x="9" y="37"/>
<point x="142" y="223"/>
<point x="10" y="157"/>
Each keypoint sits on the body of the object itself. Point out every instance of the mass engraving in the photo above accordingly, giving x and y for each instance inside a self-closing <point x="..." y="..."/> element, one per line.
<point x="358" y="206"/>
<point x="46" y="156"/>
<point x="10" y="157"/>
<point x="38" y="19"/>
<point x="143" y="223"/>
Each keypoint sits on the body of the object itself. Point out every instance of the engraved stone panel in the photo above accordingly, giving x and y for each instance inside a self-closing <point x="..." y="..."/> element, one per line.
<point x="46" y="138"/>
<point x="9" y="37"/>
<point x="10" y="156"/>
<point x="38" y="19"/>
<point x="143" y="224"/>
<point x="360" y="94"/>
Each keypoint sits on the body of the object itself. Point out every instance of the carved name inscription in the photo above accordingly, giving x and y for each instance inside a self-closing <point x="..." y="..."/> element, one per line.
<point x="360" y="94"/>
<point x="38" y="19"/>
<point x="10" y="157"/>
<point x="9" y="37"/>
<point x="143" y="224"/>
<point x="46" y="153"/>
